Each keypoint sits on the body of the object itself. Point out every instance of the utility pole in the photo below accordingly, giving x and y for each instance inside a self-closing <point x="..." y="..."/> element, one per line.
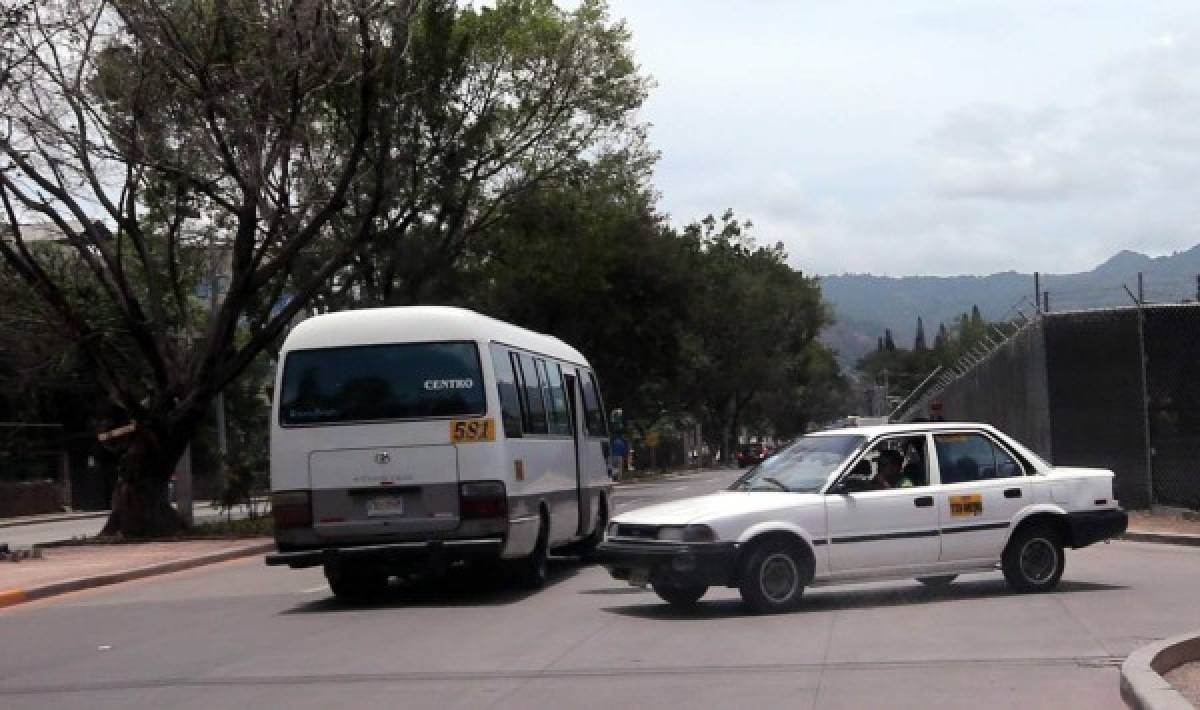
<point x="1198" y="287"/>
<point x="1045" y="301"/>
<point x="1141" y="290"/>
<point x="214" y="282"/>
<point x="1037" y="291"/>
<point x="183" y="486"/>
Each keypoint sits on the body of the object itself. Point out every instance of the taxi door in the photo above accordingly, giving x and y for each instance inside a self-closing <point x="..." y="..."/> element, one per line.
<point x="982" y="488"/>
<point x="880" y="529"/>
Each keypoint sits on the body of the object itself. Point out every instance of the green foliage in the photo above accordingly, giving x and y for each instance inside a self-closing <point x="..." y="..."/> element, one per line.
<point x="905" y="369"/>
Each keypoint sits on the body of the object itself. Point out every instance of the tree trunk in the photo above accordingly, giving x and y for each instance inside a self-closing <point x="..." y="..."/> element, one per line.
<point x="141" y="509"/>
<point x="140" y="505"/>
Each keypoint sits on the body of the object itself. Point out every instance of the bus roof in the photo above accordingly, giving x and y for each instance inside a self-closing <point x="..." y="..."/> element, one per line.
<point x="420" y="324"/>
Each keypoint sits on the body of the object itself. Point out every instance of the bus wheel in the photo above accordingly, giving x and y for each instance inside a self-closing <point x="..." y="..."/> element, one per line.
<point x="532" y="572"/>
<point x="355" y="584"/>
<point x="587" y="546"/>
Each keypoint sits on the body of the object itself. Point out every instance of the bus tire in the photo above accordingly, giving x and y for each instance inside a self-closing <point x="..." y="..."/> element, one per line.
<point x="587" y="546"/>
<point x="351" y="583"/>
<point x="531" y="572"/>
<point x="681" y="596"/>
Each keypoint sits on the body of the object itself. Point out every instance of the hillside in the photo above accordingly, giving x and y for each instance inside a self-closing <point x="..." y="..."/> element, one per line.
<point x="864" y="304"/>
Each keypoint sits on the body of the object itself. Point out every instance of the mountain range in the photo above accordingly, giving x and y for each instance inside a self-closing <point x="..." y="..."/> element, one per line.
<point x="864" y="304"/>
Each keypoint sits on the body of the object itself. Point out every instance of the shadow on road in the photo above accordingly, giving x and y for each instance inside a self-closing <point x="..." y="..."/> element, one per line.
<point x="844" y="598"/>
<point x="458" y="587"/>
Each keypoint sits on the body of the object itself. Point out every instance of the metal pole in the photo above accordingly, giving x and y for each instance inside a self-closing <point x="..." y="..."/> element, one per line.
<point x="1045" y="301"/>
<point x="1146" y="407"/>
<point x="1037" y="290"/>
<point x="1141" y="290"/>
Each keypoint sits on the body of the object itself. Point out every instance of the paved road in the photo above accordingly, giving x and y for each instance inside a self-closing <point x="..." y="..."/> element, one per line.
<point x="241" y="634"/>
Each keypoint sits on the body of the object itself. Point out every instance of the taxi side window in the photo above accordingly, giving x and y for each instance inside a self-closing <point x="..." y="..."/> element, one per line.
<point x="973" y="457"/>
<point x="899" y="462"/>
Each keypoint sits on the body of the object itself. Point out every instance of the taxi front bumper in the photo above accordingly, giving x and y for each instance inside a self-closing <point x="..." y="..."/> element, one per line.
<point x="683" y="563"/>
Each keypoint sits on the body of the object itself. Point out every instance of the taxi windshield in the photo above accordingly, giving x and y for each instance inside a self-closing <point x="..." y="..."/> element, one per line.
<point x="803" y="466"/>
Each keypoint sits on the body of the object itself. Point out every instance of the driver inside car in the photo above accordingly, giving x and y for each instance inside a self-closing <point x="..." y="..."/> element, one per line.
<point x="889" y="476"/>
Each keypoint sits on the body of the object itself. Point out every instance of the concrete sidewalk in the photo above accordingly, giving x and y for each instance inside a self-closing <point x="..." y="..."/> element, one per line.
<point x="71" y="568"/>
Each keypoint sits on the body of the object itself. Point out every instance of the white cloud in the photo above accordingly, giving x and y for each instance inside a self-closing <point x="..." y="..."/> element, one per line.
<point x="928" y="137"/>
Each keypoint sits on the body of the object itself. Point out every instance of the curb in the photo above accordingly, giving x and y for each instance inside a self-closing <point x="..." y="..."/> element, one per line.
<point x="10" y="597"/>
<point x="1166" y="538"/>
<point x="1142" y="686"/>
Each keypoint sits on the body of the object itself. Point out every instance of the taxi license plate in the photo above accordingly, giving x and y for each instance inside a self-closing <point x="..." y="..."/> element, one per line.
<point x="386" y="505"/>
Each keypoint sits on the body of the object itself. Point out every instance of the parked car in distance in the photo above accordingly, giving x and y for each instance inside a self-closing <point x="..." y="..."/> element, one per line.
<point x="928" y="501"/>
<point x="751" y="454"/>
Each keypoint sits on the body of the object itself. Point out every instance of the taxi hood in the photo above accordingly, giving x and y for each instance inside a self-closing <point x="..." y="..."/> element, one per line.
<point x="715" y="506"/>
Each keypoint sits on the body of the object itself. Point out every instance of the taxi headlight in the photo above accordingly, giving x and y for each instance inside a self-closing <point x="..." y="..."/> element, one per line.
<point x="686" y="533"/>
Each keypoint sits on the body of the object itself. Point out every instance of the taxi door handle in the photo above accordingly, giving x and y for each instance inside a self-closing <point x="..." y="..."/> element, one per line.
<point x="1012" y="492"/>
<point x="923" y="502"/>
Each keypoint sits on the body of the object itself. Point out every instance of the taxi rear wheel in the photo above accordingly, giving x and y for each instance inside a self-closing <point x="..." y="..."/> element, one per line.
<point x="679" y="595"/>
<point x="774" y="575"/>
<point x="1034" y="559"/>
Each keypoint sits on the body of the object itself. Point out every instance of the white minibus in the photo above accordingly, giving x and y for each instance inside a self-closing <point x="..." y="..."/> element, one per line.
<point x="409" y="439"/>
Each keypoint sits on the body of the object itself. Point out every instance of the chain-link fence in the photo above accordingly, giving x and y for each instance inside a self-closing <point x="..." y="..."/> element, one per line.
<point x="1094" y="382"/>
<point x="1172" y="355"/>
<point x="1115" y="388"/>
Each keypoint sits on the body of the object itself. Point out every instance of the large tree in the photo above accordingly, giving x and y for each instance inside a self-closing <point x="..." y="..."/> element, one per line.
<point x="752" y="320"/>
<point x="148" y="132"/>
<point x="512" y="97"/>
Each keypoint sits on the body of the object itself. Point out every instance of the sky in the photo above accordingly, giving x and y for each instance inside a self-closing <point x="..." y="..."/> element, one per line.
<point x="929" y="136"/>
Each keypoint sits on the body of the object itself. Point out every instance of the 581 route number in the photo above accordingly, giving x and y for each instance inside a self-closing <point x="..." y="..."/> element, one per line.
<point x="472" y="430"/>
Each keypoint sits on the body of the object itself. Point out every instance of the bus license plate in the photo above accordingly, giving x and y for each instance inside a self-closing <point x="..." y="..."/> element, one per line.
<point x="389" y="505"/>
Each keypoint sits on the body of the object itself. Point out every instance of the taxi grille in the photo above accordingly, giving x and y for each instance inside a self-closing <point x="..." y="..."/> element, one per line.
<point x="639" y="532"/>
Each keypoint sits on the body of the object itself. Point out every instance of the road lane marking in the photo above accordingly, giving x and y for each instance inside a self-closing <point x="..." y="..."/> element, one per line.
<point x="196" y="681"/>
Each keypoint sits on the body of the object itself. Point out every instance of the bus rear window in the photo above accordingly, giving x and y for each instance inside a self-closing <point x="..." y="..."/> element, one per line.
<point x="381" y="382"/>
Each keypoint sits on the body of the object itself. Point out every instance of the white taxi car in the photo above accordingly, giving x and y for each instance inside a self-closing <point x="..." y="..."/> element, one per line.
<point x="929" y="501"/>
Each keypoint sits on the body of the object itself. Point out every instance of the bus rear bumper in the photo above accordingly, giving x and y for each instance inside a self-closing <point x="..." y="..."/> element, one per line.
<point x="432" y="552"/>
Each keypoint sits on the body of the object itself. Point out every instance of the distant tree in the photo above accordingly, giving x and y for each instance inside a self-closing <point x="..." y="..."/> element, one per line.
<point x="919" y="341"/>
<point x="889" y="345"/>
<point x="879" y="345"/>
<point x="942" y="340"/>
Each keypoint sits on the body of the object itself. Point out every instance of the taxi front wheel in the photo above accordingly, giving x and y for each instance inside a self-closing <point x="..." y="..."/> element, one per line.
<point x="1034" y="559"/>
<point x="774" y="575"/>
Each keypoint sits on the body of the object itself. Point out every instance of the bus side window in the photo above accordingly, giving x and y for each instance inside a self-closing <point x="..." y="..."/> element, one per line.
<point x="506" y="383"/>
<point x="556" y="400"/>
<point x="535" y="407"/>
<point x="593" y="410"/>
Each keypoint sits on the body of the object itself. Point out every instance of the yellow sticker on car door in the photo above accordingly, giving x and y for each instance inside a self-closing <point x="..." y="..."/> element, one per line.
<point x="966" y="506"/>
<point x="467" y="430"/>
